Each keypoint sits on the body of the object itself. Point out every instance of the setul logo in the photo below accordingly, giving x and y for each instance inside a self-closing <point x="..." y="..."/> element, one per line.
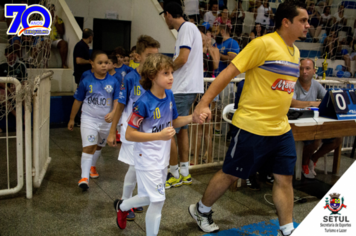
<point x="283" y="85"/>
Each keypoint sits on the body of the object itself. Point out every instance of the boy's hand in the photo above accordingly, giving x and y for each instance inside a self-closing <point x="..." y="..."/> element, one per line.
<point x="109" y="117"/>
<point x="70" y="125"/>
<point x="168" y="133"/>
<point x="111" y="140"/>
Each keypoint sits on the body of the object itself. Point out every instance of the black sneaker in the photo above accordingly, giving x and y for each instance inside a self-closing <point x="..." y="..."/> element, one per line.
<point x="252" y="184"/>
<point x="269" y="179"/>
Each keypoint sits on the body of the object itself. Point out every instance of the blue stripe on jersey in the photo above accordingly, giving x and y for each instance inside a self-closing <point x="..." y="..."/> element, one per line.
<point x="281" y="67"/>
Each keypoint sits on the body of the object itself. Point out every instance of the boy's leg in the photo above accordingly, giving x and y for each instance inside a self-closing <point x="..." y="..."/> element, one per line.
<point x="153" y="218"/>
<point x="129" y="183"/>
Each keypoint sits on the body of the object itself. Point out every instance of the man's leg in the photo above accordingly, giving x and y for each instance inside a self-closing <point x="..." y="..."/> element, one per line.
<point x="282" y="194"/>
<point x="308" y="151"/>
<point x="326" y="148"/>
<point x="63" y="51"/>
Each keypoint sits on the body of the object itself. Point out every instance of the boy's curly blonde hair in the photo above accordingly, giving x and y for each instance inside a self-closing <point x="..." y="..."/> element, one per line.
<point x="153" y="64"/>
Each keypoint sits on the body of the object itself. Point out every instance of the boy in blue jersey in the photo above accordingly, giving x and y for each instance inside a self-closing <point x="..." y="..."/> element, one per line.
<point x="99" y="93"/>
<point x="151" y="127"/>
<point x="130" y="91"/>
<point x="112" y="70"/>
<point x="121" y="68"/>
<point x="86" y="73"/>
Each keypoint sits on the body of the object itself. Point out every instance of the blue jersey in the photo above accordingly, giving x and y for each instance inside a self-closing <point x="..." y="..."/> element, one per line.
<point x="130" y="91"/>
<point x="97" y="96"/>
<point x="123" y="71"/>
<point x="85" y="74"/>
<point x="226" y="47"/>
<point x="151" y="115"/>
<point x="118" y="77"/>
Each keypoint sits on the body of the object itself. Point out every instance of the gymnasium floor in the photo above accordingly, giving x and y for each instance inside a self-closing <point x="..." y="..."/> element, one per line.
<point x="59" y="207"/>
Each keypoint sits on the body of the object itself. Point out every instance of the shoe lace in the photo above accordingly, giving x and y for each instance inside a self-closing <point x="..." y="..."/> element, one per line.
<point x="210" y="217"/>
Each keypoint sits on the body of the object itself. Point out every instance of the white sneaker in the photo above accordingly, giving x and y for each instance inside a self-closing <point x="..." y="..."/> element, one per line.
<point x="204" y="220"/>
<point x="307" y="173"/>
<point x="311" y="167"/>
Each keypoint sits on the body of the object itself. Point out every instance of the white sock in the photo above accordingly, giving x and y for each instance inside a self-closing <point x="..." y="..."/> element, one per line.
<point x="96" y="157"/>
<point x="86" y="164"/>
<point x="134" y="202"/>
<point x="203" y="208"/>
<point x="184" y="168"/>
<point x="129" y="182"/>
<point x="174" y="171"/>
<point x="153" y="218"/>
<point x="287" y="229"/>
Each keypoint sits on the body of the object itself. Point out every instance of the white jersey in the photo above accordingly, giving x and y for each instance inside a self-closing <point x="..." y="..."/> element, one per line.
<point x="130" y="91"/>
<point x="151" y="115"/>
<point x="190" y="77"/>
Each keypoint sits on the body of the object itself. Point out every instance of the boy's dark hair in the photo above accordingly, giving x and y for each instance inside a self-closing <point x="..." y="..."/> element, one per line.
<point x="133" y="49"/>
<point x="87" y="33"/>
<point x="152" y="65"/>
<point x="289" y="10"/>
<point x="202" y="29"/>
<point x="96" y="53"/>
<point x="225" y="27"/>
<point x="9" y="50"/>
<point x="145" y="41"/>
<point x="119" y="50"/>
<point x="113" y="59"/>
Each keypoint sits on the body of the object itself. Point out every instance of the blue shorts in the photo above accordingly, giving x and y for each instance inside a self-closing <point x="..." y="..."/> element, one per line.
<point x="184" y="102"/>
<point x="249" y="152"/>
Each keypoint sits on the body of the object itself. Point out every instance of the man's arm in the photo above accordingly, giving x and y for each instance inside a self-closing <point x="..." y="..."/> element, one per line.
<point x="302" y="104"/>
<point x="81" y="61"/>
<point x="181" y="59"/>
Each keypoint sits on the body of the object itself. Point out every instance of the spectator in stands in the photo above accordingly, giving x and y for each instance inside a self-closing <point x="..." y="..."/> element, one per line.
<point x="222" y="3"/>
<point x="314" y="22"/>
<point x="237" y="18"/>
<point x="227" y="46"/>
<point x="211" y="15"/>
<point x="326" y="19"/>
<point x="263" y="13"/>
<point x="340" y="22"/>
<point x="56" y="36"/>
<point x="27" y="49"/>
<point x="351" y="57"/>
<point x="224" y="18"/>
<point x="191" y="9"/>
<point x="332" y="44"/>
<point x="306" y="92"/>
<point x="81" y="55"/>
<point x="133" y="58"/>
<point x="258" y="31"/>
<point x="211" y="54"/>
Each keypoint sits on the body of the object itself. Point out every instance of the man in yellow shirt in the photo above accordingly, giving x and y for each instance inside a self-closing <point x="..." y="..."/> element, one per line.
<point x="263" y="135"/>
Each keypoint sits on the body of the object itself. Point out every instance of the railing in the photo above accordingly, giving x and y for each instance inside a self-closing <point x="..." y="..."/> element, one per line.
<point x="208" y="143"/>
<point x="18" y="137"/>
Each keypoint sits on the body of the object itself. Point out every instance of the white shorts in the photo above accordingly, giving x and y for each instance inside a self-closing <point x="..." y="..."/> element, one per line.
<point x="55" y="42"/>
<point x="152" y="184"/>
<point x="126" y="154"/>
<point x="352" y="55"/>
<point x="94" y="133"/>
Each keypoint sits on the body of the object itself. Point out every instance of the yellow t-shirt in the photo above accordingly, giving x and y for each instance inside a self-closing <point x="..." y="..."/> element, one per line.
<point x="133" y="64"/>
<point x="271" y="73"/>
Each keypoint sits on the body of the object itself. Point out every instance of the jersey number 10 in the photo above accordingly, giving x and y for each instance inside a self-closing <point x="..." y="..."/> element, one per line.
<point x="157" y="113"/>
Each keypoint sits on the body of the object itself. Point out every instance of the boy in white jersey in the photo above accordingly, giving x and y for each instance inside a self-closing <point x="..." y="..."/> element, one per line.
<point x="150" y="127"/>
<point x="130" y="91"/>
<point x="99" y="93"/>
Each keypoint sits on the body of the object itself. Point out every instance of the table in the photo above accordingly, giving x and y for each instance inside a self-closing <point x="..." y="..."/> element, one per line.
<point x="319" y="128"/>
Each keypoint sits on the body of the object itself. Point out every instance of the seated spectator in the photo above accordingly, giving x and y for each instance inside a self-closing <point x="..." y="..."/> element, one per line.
<point x="351" y="57"/>
<point x="209" y="33"/>
<point x="326" y="19"/>
<point x="314" y="22"/>
<point x="306" y="92"/>
<point x="133" y="58"/>
<point x="211" y="54"/>
<point x="258" y="31"/>
<point x="27" y="50"/>
<point x="191" y="9"/>
<point x="211" y="15"/>
<point x="340" y="22"/>
<point x="56" y="36"/>
<point x="224" y="18"/>
<point x="237" y="18"/>
<point x="331" y="44"/>
<point x="263" y="13"/>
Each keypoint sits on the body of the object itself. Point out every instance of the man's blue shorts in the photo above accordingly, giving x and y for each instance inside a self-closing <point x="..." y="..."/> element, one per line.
<point x="249" y="152"/>
<point x="184" y="103"/>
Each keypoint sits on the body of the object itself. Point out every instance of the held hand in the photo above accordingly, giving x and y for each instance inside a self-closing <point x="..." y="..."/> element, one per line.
<point x="168" y="133"/>
<point x="202" y="118"/>
<point x="70" y="125"/>
<point x="199" y="110"/>
<point x="111" y="140"/>
<point x="109" y="117"/>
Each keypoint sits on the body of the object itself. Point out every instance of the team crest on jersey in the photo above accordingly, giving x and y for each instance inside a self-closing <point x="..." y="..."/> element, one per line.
<point x="160" y="189"/>
<point x="283" y="85"/>
<point x="123" y="74"/>
<point x="91" y="138"/>
<point x="108" y="88"/>
<point x="170" y="105"/>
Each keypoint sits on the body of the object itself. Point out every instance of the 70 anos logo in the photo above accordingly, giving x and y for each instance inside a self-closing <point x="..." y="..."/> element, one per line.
<point x="20" y="23"/>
